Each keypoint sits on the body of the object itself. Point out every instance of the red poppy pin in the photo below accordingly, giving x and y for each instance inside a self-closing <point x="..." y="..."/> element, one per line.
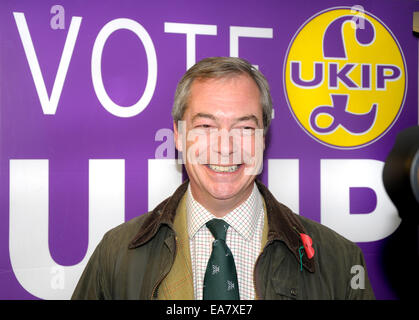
<point x="307" y="242"/>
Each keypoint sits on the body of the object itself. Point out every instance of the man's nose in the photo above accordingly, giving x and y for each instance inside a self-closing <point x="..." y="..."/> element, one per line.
<point x="223" y="143"/>
<point x="225" y="147"/>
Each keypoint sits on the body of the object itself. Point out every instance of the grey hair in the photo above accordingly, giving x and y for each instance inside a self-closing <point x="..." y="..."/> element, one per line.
<point x="221" y="67"/>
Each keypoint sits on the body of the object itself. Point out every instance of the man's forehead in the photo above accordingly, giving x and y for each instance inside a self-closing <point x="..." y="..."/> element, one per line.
<point x="239" y="100"/>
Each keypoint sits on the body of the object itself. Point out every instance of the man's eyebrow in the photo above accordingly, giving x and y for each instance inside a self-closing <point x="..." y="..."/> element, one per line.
<point x="203" y="115"/>
<point x="251" y="117"/>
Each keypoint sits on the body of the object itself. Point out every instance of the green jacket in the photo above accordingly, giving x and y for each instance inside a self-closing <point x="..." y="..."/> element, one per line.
<point x="133" y="259"/>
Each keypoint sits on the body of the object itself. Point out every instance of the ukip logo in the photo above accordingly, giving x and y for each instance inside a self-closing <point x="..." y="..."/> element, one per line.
<point x="345" y="78"/>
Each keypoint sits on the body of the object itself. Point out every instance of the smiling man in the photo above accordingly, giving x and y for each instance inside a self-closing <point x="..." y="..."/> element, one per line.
<point x="216" y="107"/>
<point x="222" y="234"/>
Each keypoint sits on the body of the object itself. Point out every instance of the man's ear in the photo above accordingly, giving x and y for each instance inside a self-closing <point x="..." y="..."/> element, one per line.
<point x="177" y="136"/>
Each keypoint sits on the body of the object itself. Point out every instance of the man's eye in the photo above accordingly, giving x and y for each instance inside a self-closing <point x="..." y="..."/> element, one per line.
<point x="202" y="129"/>
<point x="248" y="131"/>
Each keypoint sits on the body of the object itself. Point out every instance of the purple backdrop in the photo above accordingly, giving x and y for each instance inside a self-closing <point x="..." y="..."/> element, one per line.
<point x="81" y="128"/>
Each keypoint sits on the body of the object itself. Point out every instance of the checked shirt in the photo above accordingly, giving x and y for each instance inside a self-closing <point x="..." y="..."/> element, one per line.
<point x="243" y="238"/>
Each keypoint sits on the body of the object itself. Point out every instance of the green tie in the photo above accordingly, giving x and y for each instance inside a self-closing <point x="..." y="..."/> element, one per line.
<point x="220" y="282"/>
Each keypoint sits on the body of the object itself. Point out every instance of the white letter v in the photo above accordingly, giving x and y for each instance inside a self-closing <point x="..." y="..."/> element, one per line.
<point x="49" y="105"/>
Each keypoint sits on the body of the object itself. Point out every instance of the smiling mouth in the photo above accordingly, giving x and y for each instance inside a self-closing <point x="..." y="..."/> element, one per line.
<point x="223" y="169"/>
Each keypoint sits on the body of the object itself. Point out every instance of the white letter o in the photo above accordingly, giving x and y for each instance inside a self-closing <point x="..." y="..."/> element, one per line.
<point x="107" y="103"/>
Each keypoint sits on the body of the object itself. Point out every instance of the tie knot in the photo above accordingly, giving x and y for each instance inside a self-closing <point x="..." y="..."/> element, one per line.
<point x="218" y="228"/>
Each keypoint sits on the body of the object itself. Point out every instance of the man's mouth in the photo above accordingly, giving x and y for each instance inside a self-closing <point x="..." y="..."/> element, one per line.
<point x="223" y="169"/>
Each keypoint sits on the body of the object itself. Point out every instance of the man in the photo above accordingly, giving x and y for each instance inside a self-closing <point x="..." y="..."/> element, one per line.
<point x="222" y="234"/>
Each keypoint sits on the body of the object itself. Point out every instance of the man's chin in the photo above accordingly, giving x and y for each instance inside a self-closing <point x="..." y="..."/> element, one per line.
<point x="222" y="185"/>
<point x="227" y="191"/>
<point x="222" y="195"/>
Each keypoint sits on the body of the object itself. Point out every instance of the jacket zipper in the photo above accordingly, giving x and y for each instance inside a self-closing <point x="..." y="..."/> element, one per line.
<point x="153" y="292"/>
<point x="257" y="295"/>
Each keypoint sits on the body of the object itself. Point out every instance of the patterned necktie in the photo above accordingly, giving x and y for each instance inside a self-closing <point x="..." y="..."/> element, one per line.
<point x="220" y="282"/>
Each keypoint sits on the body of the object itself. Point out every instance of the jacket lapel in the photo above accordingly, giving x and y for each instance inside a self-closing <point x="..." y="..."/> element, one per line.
<point x="284" y="226"/>
<point x="178" y="285"/>
<point x="163" y="214"/>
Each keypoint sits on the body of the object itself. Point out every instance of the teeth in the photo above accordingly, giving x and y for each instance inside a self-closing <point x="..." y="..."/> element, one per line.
<point x="223" y="168"/>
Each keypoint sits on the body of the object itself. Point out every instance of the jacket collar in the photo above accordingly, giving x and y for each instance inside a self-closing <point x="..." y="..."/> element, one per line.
<point x="284" y="225"/>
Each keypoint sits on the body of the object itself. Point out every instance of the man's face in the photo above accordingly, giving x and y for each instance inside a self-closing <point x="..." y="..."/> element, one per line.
<point x="223" y="130"/>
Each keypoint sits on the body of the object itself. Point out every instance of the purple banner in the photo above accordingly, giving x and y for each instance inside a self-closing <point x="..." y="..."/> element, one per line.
<point x="86" y="91"/>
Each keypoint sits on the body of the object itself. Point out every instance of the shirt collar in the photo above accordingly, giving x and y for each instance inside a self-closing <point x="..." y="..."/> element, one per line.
<point x="243" y="219"/>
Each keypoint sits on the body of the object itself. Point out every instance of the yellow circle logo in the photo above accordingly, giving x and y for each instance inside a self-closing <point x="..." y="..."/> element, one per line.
<point x="345" y="78"/>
